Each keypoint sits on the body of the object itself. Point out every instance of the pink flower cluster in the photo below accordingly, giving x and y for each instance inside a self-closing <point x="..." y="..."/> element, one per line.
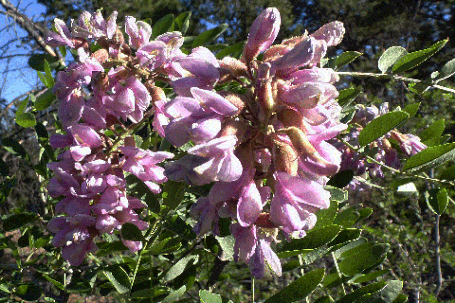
<point x="102" y="98"/>
<point x="266" y="143"/>
<point x="265" y="147"/>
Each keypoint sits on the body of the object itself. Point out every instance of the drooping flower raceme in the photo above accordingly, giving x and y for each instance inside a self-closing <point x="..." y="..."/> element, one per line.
<point x="102" y="98"/>
<point x="266" y="147"/>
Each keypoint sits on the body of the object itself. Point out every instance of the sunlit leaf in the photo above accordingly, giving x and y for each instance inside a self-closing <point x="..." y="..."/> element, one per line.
<point x="299" y="289"/>
<point x="390" y="57"/>
<point x="381" y="126"/>
<point x="430" y="157"/>
<point x="415" y="58"/>
<point x="210" y="35"/>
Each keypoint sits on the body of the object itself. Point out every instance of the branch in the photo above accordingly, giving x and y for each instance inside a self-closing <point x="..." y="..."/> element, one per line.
<point x="35" y="31"/>
<point x="399" y="78"/>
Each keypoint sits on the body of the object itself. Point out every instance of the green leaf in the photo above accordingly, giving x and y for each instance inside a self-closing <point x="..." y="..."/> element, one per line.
<point x="299" y="289"/>
<point x="348" y="95"/>
<point x="131" y="232"/>
<point x="119" y="278"/>
<point x="346" y="235"/>
<point x="415" y="58"/>
<point x="448" y="174"/>
<point x="174" y="295"/>
<point x="26" y="120"/>
<point x="341" y="179"/>
<point x="401" y="298"/>
<point x="430" y="157"/>
<point x="361" y="258"/>
<point x="41" y="131"/>
<point x="44" y="100"/>
<point x="234" y="51"/>
<point x="315" y="238"/>
<point x="173" y="193"/>
<point x="163" y="25"/>
<point x="370" y="276"/>
<point x="326" y="216"/>
<point x="438" y="200"/>
<point x="343" y="59"/>
<point x="412" y="109"/>
<point x="36" y="61"/>
<point x="55" y="282"/>
<point x="141" y="191"/>
<point x="46" y="78"/>
<point x="29" y="292"/>
<point x="16" y="221"/>
<point x="227" y="245"/>
<point x="434" y="130"/>
<point x="208" y="297"/>
<point x="381" y="126"/>
<point x="178" y="268"/>
<point x="347" y="217"/>
<point x="446" y="72"/>
<point x="390" y="57"/>
<point x="337" y="194"/>
<point x="164" y="246"/>
<point x="209" y="36"/>
<point x="386" y="295"/>
<point x="22" y="106"/>
<point x="325" y="299"/>
<point x="362" y="291"/>
<point x="183" y="22"/>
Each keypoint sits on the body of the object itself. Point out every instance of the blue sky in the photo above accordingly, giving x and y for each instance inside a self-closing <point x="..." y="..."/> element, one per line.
<point x="23" y="78"/>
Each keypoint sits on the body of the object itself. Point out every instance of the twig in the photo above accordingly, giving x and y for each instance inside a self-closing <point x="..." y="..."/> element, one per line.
<point x="396" y="77"/>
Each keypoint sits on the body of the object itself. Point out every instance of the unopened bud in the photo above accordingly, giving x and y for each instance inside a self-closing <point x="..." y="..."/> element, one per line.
<point x="237" y="100"/>
<point x="265" y="92"/>
<point x="234" y="127"/>
<point x="156" y="92"/>
<point x="236" y="67"/>
<point x="300" y="141"/>
<point x="290" y="118"/>
<point x="300" y="55"/>
<point x="262" y="33"/>
<point x="286" y="159"/>
<point x="275" y="52"/>
<point x="102" y="81"/>
<point x="101" y="55"/>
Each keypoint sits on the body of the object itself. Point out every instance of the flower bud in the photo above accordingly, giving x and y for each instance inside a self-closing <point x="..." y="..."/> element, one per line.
<point x="265" y="92"/>
<point x="286" y="159"/>
<point x="300" y="141"/>
<point x="155" y="92"/>
<point x="262" y="33"/>
<point x="300" y="55"/>
<point x="236" y="67"/>
<point x="237" y="100"/>
<point x="290" y="118"/>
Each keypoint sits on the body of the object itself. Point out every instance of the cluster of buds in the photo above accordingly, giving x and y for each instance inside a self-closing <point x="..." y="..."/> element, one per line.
<point x="265" y="147"/>
<point x="384" y="151"/>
